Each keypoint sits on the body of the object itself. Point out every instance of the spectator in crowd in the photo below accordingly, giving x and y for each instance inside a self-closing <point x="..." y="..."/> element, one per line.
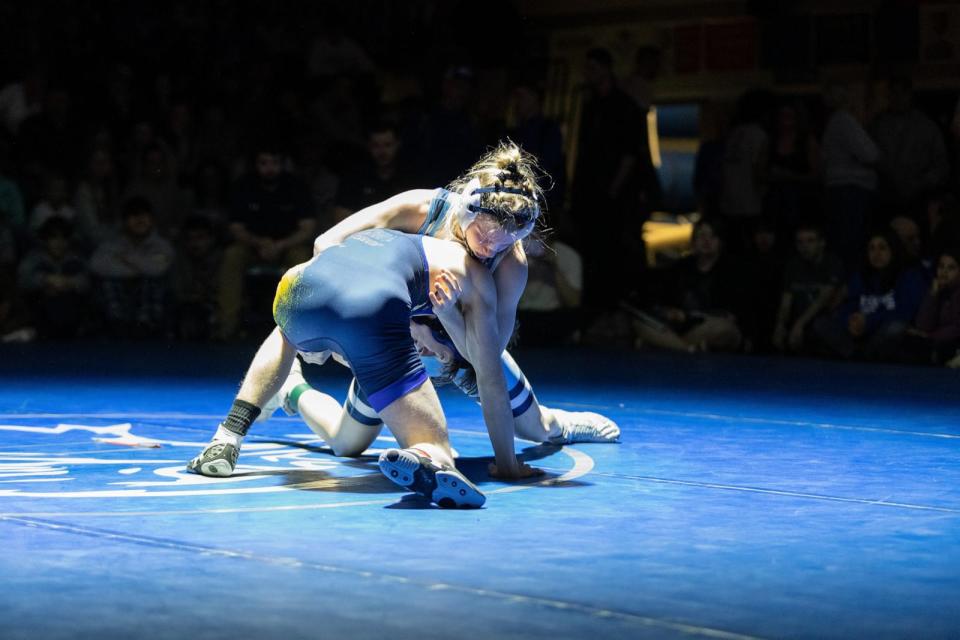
<point x="216" y="136"/>
<point x="447" y="136"/>
<point x="322" y="182"/>
<point x="12" y="215"/>
<point x="55" y="203"/>
<point x="548" y="310"/>
<point x="702" y="301"/>
<point x="157" y="184"/>
<point x="117" y="102"/>
<point x="935" y="334"/>
<point x="794" y="167"/>
<point x="908" y="231"/>
<point x="97" y="198"/>
<point x="8" y="251"/>
<point x="292" y="125"/>
<point x="54" y="279"/>
<point x="196" y="273"/>
<point x="15" y="324"/>
<point x="338" y="117"/>
<point x="271" y="223"/>
<point x="646" y="68"/>
<point x="879" y="303"/>
<point x="708" y="165"/>
<point x="133" y="270"/>
<point x="334" y="53"/>
<point x="913" y="155"/>
<point x="21" y="99"/>
<point x="612" y="153"/>
<point x="179" y="135"/>
<point x="812" y="284"/>
<point x="51" y="141"/>
<point x="955" y="144"/>
<point x="210" y="191"/>
<point x="540" y="136"/>
<point x="380" y="177"/>
<point x="849" y="157"/>
<point x="764" y="262"/>
<point x="138" y="141"/>
<point x="745" y="164"/>
<point x="943" y="223"/>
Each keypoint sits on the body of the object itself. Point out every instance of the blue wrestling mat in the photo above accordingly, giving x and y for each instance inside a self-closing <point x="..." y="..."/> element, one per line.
<point x="750" y="498"/>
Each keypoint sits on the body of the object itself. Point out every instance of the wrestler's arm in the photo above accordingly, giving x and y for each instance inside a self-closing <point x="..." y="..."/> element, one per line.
<point x="510" y="279"/>
<point x="404" y="212"/>
<point x="481" y="344"/>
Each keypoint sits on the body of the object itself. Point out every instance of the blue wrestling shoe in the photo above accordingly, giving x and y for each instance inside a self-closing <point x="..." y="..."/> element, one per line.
<point x="447" y="488"/>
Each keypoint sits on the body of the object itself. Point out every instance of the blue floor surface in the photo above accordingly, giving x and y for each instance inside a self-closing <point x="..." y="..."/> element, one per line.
<point x="749" y="498"/>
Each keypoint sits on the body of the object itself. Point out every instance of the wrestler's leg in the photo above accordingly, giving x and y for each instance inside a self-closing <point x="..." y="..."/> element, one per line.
<point x="535" y="422"/>
<point x="269" y="369"/>
<point x="263" y="379"/>
<point x="348" y="430"/>
<point x="424" y="464"/>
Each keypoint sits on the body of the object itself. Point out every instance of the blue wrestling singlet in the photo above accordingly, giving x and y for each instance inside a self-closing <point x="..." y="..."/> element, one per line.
<point x="355" y="299"/>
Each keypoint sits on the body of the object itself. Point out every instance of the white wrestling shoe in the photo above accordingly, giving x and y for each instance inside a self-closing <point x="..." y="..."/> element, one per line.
<point x="446" y="488"/>
<point x="584" y="426"/>
<point x="282" y="398"/>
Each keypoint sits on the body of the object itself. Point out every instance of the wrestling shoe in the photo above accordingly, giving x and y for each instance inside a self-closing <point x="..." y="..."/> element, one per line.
<point x="217" y="460"/>
<point x="584" y="426"/>
<point x="447" y="488"/>
<point x="282" y="398"/>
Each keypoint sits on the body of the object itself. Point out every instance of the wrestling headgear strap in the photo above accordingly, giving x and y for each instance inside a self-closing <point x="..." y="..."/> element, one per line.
<point x="469" y="202"/>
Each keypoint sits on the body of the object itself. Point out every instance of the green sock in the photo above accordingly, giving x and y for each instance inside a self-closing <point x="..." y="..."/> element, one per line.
<point x="295" y="394"/>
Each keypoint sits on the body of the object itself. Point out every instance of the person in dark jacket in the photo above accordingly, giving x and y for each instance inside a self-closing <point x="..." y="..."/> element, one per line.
<point x="55" y="281"/>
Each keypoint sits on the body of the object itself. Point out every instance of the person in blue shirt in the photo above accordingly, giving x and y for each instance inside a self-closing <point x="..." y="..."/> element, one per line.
<point x="878" y="304"/>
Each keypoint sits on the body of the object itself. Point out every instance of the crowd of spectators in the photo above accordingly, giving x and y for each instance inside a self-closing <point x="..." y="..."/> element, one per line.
<point x="134" y="205"/>
<point x="158" y="193"/>
<point x="838" y="241"/>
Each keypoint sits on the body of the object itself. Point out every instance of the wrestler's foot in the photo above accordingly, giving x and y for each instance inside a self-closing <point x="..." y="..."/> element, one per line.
<point x="447" y="488"/>
<point x="584" y="426"/>
<point x="217" y="460"/>
<point x="282" y="400"/>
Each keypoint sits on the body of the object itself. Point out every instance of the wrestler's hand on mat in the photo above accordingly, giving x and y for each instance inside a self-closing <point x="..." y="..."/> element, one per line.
<point x="519" y="472"/>
<point x="445" y="293"/>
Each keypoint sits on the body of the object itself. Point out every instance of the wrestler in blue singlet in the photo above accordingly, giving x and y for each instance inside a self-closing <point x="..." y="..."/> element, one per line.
<point x="518" y="388"/>
<point x="355" y="299"/>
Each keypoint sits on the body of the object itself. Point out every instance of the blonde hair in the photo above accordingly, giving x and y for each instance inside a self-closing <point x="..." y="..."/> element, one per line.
<point x="510" y="167"/>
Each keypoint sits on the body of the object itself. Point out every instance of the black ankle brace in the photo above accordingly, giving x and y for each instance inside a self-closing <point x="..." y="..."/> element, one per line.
<point x="241" y="416"/>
